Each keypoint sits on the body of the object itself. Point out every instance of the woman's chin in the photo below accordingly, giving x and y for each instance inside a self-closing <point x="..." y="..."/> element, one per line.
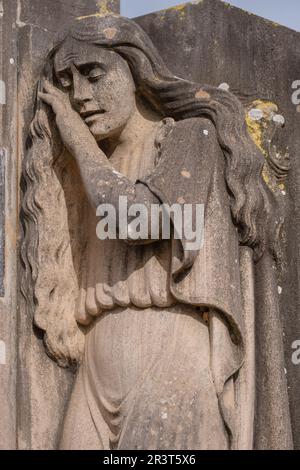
<point x="100" y="135"/>
<point x="101" y="132"/>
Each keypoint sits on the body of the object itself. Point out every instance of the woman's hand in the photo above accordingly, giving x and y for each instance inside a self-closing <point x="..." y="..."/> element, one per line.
<point x="75" y="134"/>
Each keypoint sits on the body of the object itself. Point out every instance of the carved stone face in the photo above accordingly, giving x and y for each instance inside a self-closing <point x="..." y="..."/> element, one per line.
<point x="100" y="86"/>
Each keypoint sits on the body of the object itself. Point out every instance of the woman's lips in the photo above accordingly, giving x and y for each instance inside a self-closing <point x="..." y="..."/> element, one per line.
<point x="92" y="115"/>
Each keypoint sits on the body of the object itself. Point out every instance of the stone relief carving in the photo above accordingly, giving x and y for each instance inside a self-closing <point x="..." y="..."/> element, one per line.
<point x="165" y="338"/>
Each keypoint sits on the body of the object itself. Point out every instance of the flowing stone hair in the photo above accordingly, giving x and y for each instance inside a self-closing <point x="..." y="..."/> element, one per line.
<point x="50" y="285"/>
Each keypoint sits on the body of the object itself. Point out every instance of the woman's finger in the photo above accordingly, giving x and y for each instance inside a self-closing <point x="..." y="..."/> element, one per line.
<point x="49" y="88"/>
<point x="46" y="97"/>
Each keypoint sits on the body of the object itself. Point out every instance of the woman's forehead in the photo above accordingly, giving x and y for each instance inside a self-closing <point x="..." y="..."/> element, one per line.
<point x="80" y="53"/>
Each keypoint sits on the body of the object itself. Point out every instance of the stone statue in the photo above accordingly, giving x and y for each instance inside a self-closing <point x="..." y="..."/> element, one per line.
<point x="164" y="337"/>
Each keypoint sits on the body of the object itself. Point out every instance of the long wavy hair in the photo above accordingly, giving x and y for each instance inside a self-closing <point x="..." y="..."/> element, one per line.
<point x="50" y="283"/>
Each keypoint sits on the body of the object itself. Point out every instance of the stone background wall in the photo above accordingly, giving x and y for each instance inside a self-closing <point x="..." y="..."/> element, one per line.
<point x="206" y="41"/>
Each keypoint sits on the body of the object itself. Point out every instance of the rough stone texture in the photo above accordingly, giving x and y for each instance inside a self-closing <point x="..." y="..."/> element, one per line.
<point x="211" y="42"/>
<point x="67" y="276"/>
<point x="2" y="219"/>
<point x="9" y="163"/>
<point x="41" y="384"/>
<point x="56" y="15"/>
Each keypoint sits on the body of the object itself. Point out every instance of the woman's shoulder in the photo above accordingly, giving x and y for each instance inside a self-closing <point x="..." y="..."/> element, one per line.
<point x="186" y="130"/>
<point x="195" y="123"/>
<point x="198" y="125"/>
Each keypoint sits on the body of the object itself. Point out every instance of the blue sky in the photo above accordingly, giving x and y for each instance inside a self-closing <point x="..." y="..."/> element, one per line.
<point x="286" y="12"/>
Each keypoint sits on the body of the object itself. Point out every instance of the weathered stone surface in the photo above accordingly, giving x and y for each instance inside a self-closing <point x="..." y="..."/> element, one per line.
<point x="207" y="42"/>
<point x="56" y="15"/>
<point x="9" y="228"/>
<point x="110" y="96"/>
<point x="2" y="219"/>
<point x="212" y="42"/>
<point x="42" y="385"/>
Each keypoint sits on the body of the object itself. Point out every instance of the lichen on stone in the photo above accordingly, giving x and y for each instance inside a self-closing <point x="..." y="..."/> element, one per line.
<point x="104" y="9"/>
<point x="177" y="8"/>
<point x="257" y="126"/>
<point x="263" y="120"/>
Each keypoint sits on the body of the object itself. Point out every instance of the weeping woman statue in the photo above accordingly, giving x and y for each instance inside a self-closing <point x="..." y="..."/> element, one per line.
<point x="166" y="339"/>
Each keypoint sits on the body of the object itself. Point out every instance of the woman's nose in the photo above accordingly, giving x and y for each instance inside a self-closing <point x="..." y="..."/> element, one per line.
<point x="82" y="92"/>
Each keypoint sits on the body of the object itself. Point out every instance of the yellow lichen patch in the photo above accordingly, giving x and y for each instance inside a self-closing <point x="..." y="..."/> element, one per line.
<point x="88" y="16"/>
<point x="260" y="118"/>
<point x="265" y="176"/>
<point x="272" y="182"/>
<point x="255" y="130"/>
<point x="177" y="8"/>
<point x="267" y="107"/>
<point x="103" y="10"/>
<point x="103" y="7"/>
<point x="256" y="127"/>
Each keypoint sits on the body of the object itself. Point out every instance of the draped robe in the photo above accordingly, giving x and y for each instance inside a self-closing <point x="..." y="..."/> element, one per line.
<point x="210" y="294"/>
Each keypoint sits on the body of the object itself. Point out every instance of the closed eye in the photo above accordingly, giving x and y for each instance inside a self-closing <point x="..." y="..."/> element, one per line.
<point x="92" y="71"/>
<point x="95" y="73"/>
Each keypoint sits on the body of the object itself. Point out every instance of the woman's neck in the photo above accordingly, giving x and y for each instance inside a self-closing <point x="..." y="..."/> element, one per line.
<point x="137" y="130"/>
